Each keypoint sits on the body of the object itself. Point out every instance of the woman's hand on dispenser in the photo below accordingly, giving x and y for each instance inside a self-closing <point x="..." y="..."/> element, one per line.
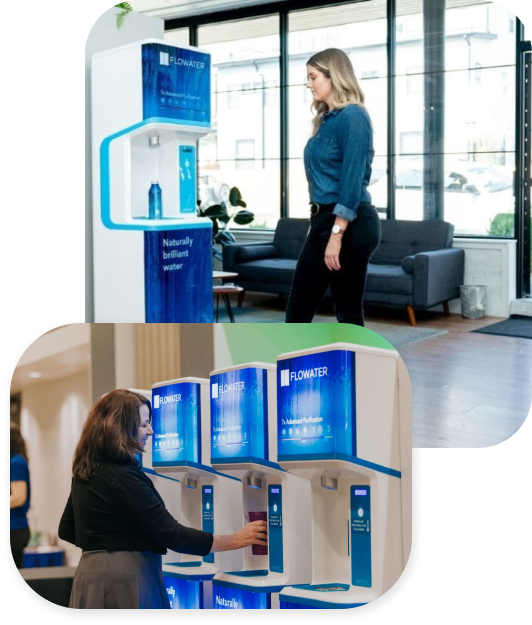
<point x="254" y="533"/>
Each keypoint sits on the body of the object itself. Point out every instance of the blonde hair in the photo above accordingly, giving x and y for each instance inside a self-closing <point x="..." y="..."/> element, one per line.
<point x="336" y="65"/>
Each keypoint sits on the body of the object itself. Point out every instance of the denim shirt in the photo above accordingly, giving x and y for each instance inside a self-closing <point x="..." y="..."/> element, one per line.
<point x="338" y="160"/>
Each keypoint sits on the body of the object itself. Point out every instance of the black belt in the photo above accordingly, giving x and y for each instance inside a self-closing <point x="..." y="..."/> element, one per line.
<point x="315" y="208"/>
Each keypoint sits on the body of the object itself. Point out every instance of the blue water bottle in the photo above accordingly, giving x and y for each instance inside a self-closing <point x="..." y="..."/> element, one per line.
<point x="156" y="201"/>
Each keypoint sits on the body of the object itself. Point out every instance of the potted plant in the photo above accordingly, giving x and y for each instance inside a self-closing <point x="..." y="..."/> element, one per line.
<point x="222" y="215"/>
<point x="125" y="9"/>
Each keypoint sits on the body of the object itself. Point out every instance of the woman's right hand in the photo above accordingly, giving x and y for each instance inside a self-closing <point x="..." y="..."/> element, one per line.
<point x="249" y="535"/>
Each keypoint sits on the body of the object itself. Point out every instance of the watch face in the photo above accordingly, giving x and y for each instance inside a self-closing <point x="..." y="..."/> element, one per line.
<point x="336" y="229"/>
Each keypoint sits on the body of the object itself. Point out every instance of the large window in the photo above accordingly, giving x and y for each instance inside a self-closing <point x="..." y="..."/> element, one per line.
<point x="360" y="30"/>
<point x="243" y="148"/>
<point x="476" y="140"/>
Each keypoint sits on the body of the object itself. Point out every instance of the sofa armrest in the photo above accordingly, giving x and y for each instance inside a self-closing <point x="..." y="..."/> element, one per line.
<point x="437" y="276"/>
<point x="244" y="252"/>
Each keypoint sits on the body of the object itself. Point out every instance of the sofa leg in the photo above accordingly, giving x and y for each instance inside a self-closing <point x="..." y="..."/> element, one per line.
<point x="240" y="299"/>
<point x="411" y="315"/>
<point x="446" y="310"/>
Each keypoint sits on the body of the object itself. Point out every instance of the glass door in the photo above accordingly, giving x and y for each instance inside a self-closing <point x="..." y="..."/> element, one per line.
<point x="523" y="162"/>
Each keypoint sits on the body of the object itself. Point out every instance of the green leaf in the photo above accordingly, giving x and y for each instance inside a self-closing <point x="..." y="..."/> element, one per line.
<point x="126" y="8"/>
<point x="215" y="211"/>
<point x="215" y="228"/>
<point x="235" y="196"/>
<point x="243" y="218"/>
<point x="241" y="203"/>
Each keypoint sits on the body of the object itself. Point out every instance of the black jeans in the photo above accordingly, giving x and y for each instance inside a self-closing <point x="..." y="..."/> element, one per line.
<point x="312" y="277"/>
<point x="19" y="539"/>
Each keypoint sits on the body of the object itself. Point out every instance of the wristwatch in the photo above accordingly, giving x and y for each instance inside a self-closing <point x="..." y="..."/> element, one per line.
<point x="337" y="230"/>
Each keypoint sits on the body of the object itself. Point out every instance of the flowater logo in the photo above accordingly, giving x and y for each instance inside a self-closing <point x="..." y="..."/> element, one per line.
<point x="227" y="603"/>
<point x="164" y="58"/>
<point x="159" y="401"/>
<point x="186" y="63"/>
<point x="288" y="376"/>
<point x="226" y="388"/>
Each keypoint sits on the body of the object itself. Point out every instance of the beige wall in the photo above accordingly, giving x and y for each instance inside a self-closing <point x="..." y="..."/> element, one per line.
<point x="53" y="413"/>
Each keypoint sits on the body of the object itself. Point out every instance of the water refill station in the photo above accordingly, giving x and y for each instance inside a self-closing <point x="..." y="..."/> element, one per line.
<point x="210" y="501"/>
<point x="151" y="102"/>
<point x="344" y="424"/>
<point x="244" y="444"/>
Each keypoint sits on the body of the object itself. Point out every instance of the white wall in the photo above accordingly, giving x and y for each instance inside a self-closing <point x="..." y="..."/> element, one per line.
<point x="55" y="342"/>
<point x="52" y="417"/>
<point x="491" y="263"/>
<point x="104" y="36"/>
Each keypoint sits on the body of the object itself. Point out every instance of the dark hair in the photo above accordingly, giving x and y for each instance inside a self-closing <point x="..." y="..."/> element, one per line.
<point x="16" y="442"/>
<point x="110" y="433"/>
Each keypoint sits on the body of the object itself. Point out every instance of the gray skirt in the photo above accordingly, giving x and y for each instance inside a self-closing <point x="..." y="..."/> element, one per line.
<point x="119" y="580"/>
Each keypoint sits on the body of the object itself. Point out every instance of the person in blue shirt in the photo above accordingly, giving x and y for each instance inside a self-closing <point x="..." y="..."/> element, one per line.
<point x="19" y="499"/>
<point x="344" y="225"/>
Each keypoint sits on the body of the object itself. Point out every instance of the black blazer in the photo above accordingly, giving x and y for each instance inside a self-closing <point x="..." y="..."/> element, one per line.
<point x="119" y="509"/>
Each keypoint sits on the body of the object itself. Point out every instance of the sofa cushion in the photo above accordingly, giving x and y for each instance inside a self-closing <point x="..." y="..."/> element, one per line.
<point x="408" y="264"/>
<point x="389" y="279"/>
<point x="255" y="252"/>
<point x="290" y="235"/>
<point x="279" y="270"/>
<point x="406" y="238"/>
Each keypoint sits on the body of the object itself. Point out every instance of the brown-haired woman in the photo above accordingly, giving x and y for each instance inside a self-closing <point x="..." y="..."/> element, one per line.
<point x="115" y="514"/>
<point x="19" y="498"/>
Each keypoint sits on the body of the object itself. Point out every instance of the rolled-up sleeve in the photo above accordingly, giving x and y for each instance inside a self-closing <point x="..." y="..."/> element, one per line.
<point x="354" y="134"/>
<point x="136" y="499"/>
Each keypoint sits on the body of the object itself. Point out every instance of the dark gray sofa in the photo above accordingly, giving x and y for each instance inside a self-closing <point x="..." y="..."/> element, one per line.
<point x="414" y="267"/>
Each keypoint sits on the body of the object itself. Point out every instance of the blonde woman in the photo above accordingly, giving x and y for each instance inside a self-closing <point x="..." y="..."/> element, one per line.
<point x="344" y="225"/>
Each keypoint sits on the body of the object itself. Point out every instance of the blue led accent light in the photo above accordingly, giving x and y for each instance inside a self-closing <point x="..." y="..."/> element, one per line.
<point x="207" y="516"/>
<point x="275" y="528"/>
<point x="178" y="290"/>
<point x="360" y="537"/>
<point x="248" y="460"/>
<point x="254" y="589"/>
<point x="316" y="405"/>
<point x="187" y="179"/>
<point x="239" y="415"/>
<point x="288" y="603"/>
<point x="363" y="463"/>
<point x="152" y="472"/>
<point x="105" y="182"/>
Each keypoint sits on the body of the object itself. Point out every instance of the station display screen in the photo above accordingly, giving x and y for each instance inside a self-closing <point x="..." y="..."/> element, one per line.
<point x="236" y="599"/>
<point x="360" y="536"/>
<point x="184" y="595"/>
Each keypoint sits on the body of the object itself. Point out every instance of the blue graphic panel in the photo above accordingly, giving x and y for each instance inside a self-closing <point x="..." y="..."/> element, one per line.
<point x="360" y="536"/>
<point x="236" y="599"/>
<point x="316" y="405"/>
<point x="184" y="595"/>
<point x="275" y="527"/>
<point x="207" y="515"/>
<point x="287" y="605"/>
<point x="187" y="179"/>
<point x="176" y="83"/>
<point x="239" y="414"/>
<point x="176" y="424"/>
<point x="178" y="276"/>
